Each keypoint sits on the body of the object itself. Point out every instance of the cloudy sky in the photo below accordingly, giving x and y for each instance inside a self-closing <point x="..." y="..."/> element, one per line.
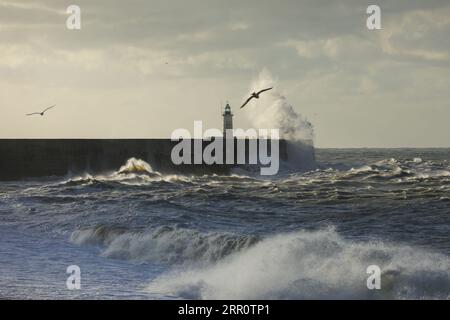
<point x="143" y="68"/>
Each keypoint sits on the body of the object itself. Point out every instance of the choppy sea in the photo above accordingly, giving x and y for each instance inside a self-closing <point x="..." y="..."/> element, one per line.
<point x="139" y="234"/>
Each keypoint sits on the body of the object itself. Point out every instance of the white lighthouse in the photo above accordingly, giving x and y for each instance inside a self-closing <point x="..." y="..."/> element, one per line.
<point x="227" y="119"/>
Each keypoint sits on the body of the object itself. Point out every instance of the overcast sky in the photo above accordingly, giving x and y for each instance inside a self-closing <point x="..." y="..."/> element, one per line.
<point x="144" y="68"/>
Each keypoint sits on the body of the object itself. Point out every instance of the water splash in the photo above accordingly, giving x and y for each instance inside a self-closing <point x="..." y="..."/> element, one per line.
<point x="138" y="166"/>
<point x="273" y="110"/>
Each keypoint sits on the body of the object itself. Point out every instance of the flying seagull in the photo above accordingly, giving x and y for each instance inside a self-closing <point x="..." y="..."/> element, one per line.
<point x="41" y="113"/>
<point x="255" y="95"/>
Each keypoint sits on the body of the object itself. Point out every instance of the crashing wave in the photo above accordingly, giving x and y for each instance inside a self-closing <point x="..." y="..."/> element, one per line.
<point x="137" y="166"/>
<point x="299" y="265"/>
<point x="133" y="172"/>
<point x="311" y="265"/>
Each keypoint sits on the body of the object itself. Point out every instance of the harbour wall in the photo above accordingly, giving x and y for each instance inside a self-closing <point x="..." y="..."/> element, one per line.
<point x="31" y="158"/>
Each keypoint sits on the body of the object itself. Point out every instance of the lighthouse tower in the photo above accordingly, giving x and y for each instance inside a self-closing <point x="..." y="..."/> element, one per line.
<point x="227" y="119"/>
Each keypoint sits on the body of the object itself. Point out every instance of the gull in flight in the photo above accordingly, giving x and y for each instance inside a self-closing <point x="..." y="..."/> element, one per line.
<point x="255" y="95"/>
<point x="41" y="113"/>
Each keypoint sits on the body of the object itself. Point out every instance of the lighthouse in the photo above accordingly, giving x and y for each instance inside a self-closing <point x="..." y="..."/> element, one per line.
<point x="227" y="119"/>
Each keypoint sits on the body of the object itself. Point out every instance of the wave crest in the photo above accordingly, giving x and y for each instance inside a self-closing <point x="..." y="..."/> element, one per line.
<point x="164" y="245"/>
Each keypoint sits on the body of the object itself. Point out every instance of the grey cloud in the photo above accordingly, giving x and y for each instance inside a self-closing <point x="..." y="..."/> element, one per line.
<point x="320" y="48"/>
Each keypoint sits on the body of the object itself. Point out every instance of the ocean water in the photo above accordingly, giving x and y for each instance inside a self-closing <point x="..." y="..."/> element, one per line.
<point x="138" y="234"/>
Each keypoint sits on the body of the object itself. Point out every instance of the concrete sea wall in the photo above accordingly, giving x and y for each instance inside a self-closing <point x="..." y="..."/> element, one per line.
<point x="30" y="158"/>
